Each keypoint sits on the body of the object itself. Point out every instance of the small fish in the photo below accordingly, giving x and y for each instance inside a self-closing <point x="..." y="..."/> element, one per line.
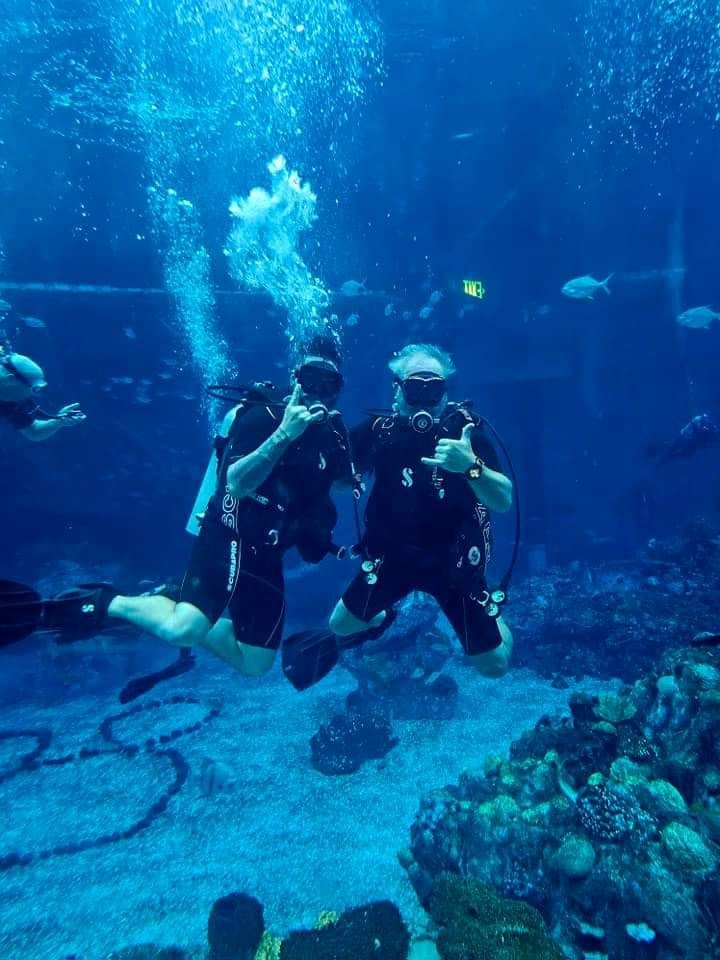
<point x="34" y="322"/>
<point x="124" y="380"/>
<point x="699" y="318"/>
<point x="351" y="288"/>
<point x="435" y="297"/>
<point x="585" y="288"/>
<point x="164" y="375"/>
<point x="544" y="310"/>
<point x="130" y="333"/>
<point x="352" y="320"/>
<point x="214" y="777"/>
<point x="389" y="310"/>
<point x="426" y="313"/>
<point x="465" y="135"/>
<point x="145" y="383"/>
<point x="407" y="315"/>
<point x="5" y="306"/>
<point x="142" y="398"/>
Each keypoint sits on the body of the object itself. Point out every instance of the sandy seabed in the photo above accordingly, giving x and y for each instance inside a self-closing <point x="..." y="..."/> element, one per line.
<point x="299" y="841"/>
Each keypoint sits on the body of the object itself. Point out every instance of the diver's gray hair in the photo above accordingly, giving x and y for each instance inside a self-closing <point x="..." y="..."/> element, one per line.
<point x="399" y="362"/>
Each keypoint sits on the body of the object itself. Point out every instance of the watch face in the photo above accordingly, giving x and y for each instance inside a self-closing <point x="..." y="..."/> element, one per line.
<point x="475" y="473"/>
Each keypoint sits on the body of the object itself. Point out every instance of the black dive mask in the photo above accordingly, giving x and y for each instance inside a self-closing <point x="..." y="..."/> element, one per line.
<point x="424" y="390"/>
<point x="320" y="378"/>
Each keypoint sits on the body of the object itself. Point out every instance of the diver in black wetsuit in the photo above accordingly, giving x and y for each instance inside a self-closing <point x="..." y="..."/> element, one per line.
<point x="437" y="478"/>
<point x="273" y="492"/>
<point x="21" y="381"/>
<point x="275" y="472"/>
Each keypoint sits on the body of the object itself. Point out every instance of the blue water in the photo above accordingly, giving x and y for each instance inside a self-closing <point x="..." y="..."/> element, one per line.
<point x="155" y="252"/>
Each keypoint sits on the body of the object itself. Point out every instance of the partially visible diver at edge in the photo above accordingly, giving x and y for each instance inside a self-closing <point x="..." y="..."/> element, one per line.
<point x="21" y="380"/>
<point x="274" y="475"/>
<point x="698" y="433"/>
<point x="427" y="522"/>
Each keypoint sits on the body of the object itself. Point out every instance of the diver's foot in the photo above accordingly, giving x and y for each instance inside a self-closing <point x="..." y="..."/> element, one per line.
<point x="356" y="639"/>
<point x="77" y="613"/>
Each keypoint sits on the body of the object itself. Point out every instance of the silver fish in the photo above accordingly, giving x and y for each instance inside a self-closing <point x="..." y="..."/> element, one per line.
<point x="214" y="777"/>
<point x="585" y="288"/>
<point x="698" y="318"/>
<point x="351" y="288"/>
<point x="34" y="322"/>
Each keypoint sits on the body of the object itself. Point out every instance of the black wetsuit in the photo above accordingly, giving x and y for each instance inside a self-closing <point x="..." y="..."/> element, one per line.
<point x="425" y="528"/>
<point x="236" y="563"/>
<point x="21" y="415"/>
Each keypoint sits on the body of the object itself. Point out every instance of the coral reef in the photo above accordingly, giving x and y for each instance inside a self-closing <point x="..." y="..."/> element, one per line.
<point x="477" y="924"/>
<point x="400" y="674"/>
<point x="344" y="743"/>
<point x="615" y="619"/>
<point x="607" y="821"/>
<point x="372" y="932"/>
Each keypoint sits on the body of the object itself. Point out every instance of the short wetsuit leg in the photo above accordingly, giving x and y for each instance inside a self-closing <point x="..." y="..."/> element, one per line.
<point x="476" y="631"/>
<point x="257" y="605"/>
<point x="211" y="576"/>
<point x="394" y="582"/>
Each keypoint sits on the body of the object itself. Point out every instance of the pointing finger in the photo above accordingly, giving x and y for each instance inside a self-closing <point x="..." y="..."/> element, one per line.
<point x="431" y="462"/>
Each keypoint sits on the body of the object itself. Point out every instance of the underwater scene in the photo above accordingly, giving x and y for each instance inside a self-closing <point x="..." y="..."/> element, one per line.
<point x="360" y="480"/>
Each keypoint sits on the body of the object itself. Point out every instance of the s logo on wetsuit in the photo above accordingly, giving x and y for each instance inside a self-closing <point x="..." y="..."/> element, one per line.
<point x="407" y="477"/>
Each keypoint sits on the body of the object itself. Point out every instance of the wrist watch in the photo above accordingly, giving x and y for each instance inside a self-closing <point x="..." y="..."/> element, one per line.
<point x="475" y="471"/>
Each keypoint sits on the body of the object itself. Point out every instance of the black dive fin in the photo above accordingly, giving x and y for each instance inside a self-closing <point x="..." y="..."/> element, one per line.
<point x="78" y="613"/>
<point x="139" y="685"/>
<point x="20" y="612"/>
<point x="309" y="656"/>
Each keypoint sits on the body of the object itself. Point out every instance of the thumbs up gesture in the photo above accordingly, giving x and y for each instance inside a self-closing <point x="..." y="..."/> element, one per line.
<point x="455" y="456"/>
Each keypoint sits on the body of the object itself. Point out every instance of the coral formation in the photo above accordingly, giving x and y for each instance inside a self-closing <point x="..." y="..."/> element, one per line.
<point x="400" y="674"/>
<point x="615" y="619"/>
<point x="344" y="743"/>
<point x="609" y="828"/>
<point x="372" y="932"/>
<point x="477" y="924"/>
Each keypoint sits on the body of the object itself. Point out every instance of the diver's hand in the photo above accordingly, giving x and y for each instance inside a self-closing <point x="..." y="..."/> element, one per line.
<point x="455" y="456"/>
<point x="70" y="415"/>
<point x="297" y="418"/>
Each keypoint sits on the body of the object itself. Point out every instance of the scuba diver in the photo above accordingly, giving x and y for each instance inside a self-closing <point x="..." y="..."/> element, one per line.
<point x="21" y="380"/>
<point x="698" y="433"/>
<point x="275" y="470"/>
<point x="427" y="523"/>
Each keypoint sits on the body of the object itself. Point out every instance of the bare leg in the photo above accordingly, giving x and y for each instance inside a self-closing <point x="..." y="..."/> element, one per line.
<point x="345" y="624"/>
<point x="180" y="624"/>
<point x="495" y="663"/>
<point x="250" y="661"/>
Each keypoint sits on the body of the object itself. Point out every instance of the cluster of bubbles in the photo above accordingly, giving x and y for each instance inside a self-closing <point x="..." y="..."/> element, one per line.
<point x="188" y="280"/>
<point x="652" y="65"/>
<point x="201" y="89"/>
<point x="263" y="255"/>
<point x="235" y="74"/>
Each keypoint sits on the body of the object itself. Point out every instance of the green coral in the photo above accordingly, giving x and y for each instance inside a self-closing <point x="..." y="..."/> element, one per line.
<point x="326" y="918"/>
<point x="575" y="857"/>
<point x="628" y="773"/>
<point x="269" y="948"/>
<point x="480" y="925"/>
<point x="664" y="800"/>
<point x="614" y="709"/>
<point x="686" y="850"/>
